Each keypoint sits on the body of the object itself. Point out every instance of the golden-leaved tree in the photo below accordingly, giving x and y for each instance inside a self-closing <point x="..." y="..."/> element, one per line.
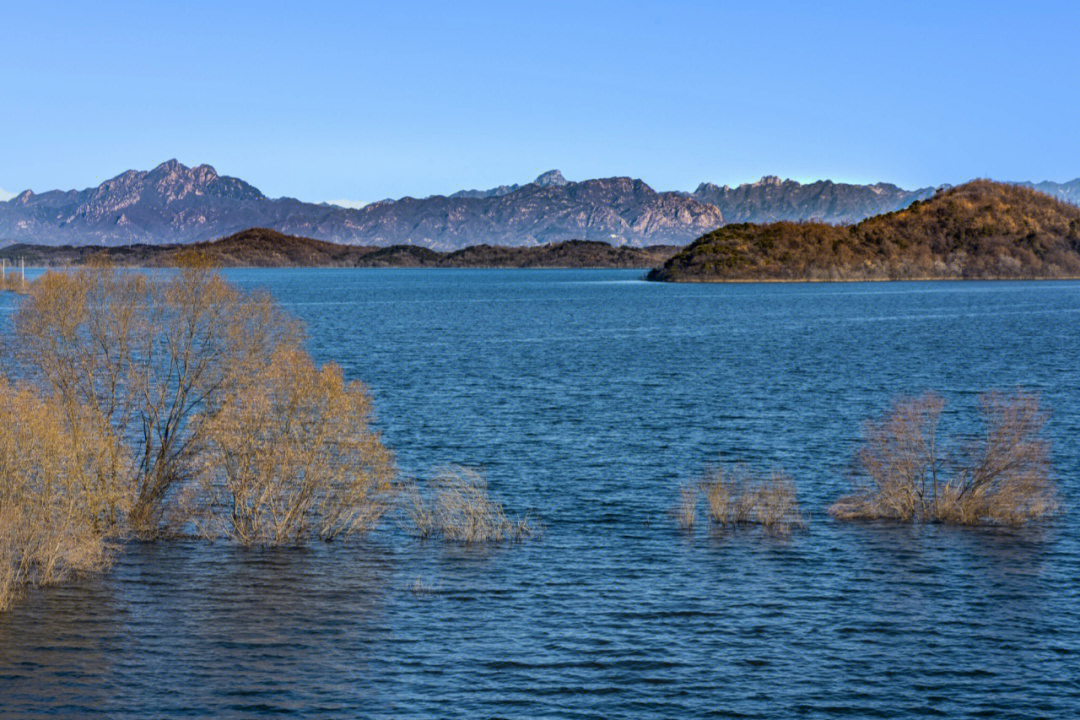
<point x="152" y="402"/>
<point x="291" y="454"/>
<point x="65" y="484"/>
<point x="155" y="356"/>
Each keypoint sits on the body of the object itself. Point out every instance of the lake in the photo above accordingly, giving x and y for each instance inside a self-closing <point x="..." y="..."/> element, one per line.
<point x="587" y="397"/>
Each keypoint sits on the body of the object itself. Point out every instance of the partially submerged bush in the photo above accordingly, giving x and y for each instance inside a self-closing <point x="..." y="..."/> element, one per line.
<point x="686" y="511"/>
<point x="65" y="484"/>
<point x="169" y="398"/>
<point x="13" y="283"/>
<point x="151" y="355"/>
<point x="907" y="473"/>
<point x="458" y="507"/>
<point x="291" y="454"/>
<point x="735" y="499"/>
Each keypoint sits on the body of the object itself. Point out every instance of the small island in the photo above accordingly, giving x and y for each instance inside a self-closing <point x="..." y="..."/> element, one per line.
<point x="981" y="230"/>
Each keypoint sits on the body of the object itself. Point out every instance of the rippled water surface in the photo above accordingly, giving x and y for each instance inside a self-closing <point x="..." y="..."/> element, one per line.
<point x="587" y="396"/>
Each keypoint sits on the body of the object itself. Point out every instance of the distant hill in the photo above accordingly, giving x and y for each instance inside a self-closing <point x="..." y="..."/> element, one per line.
<point x="982" y="229"/>
<point x="260" y="247"/>
<point x="176" y="204"/>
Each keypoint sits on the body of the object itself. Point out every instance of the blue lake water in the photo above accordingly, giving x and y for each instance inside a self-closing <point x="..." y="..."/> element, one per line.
<point x="586" y="397"/>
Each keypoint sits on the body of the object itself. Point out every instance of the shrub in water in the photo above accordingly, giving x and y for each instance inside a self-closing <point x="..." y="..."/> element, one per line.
<point x="458" y="507"/>
<point x="734" y="499"/>
<point x="149" y="354"/>
<point x="906" y="473"/>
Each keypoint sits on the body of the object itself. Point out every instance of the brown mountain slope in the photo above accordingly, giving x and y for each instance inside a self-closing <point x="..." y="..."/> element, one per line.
<point x="982" y="229"/>
<point x="260" y="247"/>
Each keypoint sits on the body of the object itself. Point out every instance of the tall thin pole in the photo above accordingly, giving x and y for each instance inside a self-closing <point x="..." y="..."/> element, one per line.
<point x="22" y="269"/>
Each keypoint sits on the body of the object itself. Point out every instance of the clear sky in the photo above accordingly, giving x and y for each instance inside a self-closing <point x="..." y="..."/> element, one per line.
<point x="356" y="101"/>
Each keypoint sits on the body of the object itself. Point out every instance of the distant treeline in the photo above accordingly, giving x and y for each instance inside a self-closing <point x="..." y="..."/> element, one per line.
<point x="981" y="230"/>
<point x="260" y="247"/>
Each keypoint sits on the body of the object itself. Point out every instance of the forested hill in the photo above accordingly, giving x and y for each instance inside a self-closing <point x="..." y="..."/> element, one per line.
<point x="981" y="229"/>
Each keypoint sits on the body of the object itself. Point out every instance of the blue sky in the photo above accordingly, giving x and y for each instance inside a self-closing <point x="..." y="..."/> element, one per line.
<point x="342" y="100"/>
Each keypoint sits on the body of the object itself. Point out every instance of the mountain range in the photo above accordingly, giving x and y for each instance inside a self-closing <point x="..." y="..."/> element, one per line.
<point x="174" y="203"/>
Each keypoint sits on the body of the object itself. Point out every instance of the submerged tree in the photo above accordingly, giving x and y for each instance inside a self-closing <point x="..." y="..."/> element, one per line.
<point x="906" y="473"/>
<point x="154" y="356"/>
<point x="161" y="399"/>
<point x="65" y="481"/>
<point x="290" y="454"/>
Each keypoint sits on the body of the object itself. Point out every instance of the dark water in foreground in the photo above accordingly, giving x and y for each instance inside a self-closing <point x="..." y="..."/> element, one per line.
<point x="587" y="396"/>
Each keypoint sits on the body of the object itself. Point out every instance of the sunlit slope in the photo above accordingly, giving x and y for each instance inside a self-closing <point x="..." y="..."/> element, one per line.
<point x="982" y="229"/>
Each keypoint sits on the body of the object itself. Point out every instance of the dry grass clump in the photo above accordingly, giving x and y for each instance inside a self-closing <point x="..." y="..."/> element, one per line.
<point x="735" y="499"/>
<point x="64" y="488"/>
<point x="906" y="473"/>
<point x="458" y="507"/>
<point x="14" y="283"/>
<point x="291" y="454"/>
<point x="685" y="511"/>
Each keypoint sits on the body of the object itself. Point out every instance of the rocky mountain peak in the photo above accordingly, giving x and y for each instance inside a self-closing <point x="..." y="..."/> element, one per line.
<point x="168" y="167"/>
<point x="771" y="199"/>
<point x="173" y="172"/>
<point x="552" y="178"/>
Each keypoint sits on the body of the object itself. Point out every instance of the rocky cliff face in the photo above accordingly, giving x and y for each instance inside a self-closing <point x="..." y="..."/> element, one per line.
<point x="772" y="199"/>
<point x="176" y="204"/>
<point x="170" y="201"/>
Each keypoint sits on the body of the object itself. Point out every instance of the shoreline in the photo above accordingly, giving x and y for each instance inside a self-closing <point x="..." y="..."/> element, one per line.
<point x="681" y="281"/>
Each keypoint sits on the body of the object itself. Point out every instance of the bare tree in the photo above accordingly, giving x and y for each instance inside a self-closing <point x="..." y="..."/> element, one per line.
<point x="899" y="463"/>
<point x="1004" y="476"/>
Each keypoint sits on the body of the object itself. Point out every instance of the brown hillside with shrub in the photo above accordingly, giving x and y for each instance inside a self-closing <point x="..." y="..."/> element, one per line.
<point x="980" y="230"/>
<point x="261" y="247"/>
